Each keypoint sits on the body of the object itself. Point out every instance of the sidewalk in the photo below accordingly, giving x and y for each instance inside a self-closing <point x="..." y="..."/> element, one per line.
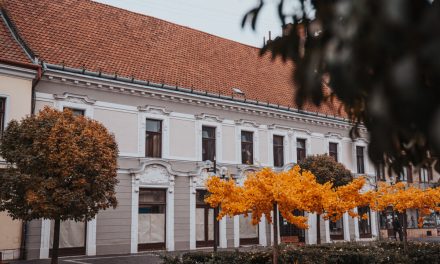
<point x="146" y="258"/>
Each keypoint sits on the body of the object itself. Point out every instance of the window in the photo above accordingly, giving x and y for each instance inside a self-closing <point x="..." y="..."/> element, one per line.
<point x="380" y="171"/>
<point x="360" y="159"/>
<point x="278" y="151"/>
<point x="247" y="147"/>
<point x="75" y="111"/>
<point x="425" y="174"/>
<point x="364" y="222"/>
<point x="2" y="114"/>
<point x="208" y="143"/>
<point x="406" y="174"/>
<point x="333" y="150"/>
<point x="153" y="138"/>
<point x="300" y="149"/>
<point x="151" y="219"/>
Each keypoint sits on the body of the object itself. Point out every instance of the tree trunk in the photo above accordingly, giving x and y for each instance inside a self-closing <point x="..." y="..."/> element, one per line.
<point x="318" y="229"/>
<point x="405" y="236"/>
<point x="56" y="241"/>
<point x="275" y="233"/>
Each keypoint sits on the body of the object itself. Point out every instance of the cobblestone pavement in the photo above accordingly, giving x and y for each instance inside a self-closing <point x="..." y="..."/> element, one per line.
<point x="147" y="258"/>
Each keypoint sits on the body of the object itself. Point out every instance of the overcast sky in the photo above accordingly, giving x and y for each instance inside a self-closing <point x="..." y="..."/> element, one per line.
<point x="218" y="17"/>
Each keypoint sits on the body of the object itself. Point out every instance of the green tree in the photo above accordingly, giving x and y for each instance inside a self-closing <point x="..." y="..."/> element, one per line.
<point x="379" y="58"/>
<point x="60" y="167"/>
<point x="326" y="169"/>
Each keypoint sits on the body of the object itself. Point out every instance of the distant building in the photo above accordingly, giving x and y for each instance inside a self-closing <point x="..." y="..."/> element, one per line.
<point x="175" y="97"/>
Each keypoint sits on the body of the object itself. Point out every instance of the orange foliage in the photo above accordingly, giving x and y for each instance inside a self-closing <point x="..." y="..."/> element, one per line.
<point x="402" y="198"/>
<point x="290" y="190"/>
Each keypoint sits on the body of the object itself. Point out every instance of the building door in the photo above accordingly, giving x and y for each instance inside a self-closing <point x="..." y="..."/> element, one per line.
<point x="289" y="233"/>
<point x="337" y="230"/>
<point x="151" y="219"/>
<point x="204" y="221"/>
<point x="72" y="238"/>
<point x="248" y="231"/>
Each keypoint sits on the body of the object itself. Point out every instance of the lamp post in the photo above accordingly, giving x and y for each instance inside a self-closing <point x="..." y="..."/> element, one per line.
<point x="217" y="208"/>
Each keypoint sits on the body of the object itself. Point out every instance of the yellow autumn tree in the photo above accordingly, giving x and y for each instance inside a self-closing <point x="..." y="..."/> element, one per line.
<point x="402" y="198"/>
<point x="267" y="191"/>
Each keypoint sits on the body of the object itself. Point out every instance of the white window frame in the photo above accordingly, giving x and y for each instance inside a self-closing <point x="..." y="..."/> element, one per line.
<point x="286" y="144"/>
<point x="6" y="117"/>
<point x="256" y="146"/>
<point x="218" y="139"/>
<point x="88" y="109"/>
<point x="354" y="157"/>
<point x="338" y="149"/>
<point x="301" y="135"/>
<point x="165" y="133"/>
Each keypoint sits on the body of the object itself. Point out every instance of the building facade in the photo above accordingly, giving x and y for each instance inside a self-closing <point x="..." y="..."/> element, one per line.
<point x="17" y="75"/>
<point x="176" y="98"/>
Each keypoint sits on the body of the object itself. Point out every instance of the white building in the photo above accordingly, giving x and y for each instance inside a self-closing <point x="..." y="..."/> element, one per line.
<point x="175" y="97"/>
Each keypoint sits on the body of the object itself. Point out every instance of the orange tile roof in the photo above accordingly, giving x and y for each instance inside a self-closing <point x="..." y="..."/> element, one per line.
<point x="98" y="37"/>
<point x="10" y="50"/>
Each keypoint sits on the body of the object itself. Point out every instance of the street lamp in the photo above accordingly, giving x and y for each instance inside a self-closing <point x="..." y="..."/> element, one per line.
<point x="212" y="167"/>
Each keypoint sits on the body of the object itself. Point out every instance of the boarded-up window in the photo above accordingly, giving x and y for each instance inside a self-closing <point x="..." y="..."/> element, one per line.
<point x="151" y="219"/>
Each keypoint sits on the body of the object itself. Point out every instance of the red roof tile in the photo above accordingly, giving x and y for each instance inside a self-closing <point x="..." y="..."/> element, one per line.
<point x="82" y="33"/>
<point x="10" y="50"/>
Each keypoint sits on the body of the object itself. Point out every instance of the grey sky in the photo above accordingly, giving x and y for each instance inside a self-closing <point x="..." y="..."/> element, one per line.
<point x="217" y="17"/>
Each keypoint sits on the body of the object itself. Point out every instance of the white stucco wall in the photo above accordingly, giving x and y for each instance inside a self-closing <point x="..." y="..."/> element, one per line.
<point x="182" y="139"/>
<point x="124" y="125"/>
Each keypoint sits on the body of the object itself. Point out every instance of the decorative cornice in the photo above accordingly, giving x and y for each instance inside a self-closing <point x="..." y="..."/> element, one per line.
<point x="198" y="99"/>
<point x="154" y="109"/>
<point x="209" y="117"/>
<point x="248" y="123"/>
<point x="334" y="135"/>
<point x="74" y="98"/>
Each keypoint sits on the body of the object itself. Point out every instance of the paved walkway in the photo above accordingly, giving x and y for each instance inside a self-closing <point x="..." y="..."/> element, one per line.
<point x="147" y="258"/>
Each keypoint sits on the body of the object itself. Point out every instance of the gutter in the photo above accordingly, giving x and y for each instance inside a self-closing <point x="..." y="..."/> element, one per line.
<point x="187" y="91"/>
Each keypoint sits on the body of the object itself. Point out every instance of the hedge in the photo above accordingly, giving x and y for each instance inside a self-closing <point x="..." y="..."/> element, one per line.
<point x="339" y="253"/>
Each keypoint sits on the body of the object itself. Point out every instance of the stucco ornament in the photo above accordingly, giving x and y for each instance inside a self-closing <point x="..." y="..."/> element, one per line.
<point x="154" y="174"/>
<point x="201" y="179"/>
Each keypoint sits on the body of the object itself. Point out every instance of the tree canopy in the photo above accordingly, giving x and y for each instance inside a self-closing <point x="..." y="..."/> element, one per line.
<point x="59" y="166"/>
<point x="326" y="169"/>
<point x="381" y="59"/>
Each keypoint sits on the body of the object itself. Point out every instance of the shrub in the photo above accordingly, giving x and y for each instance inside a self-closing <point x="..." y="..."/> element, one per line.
<point x="341" y="253"/>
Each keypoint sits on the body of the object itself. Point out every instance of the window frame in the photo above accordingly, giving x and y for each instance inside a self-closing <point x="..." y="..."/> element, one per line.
<point x="302" y="149"/>
<point x="252" y="144"/>
<point x="214" y="139"/>
<point x="3" y="114"/>
<point x="75" y="110"/>
<point x="277" y="147"/>
<point x="379" y="170"/>
<point x="334" y="154"/>
<point x="160" y="133"/>
<point x="369" y="234"/>
<point x="428" y="176"/>
<point x="360" y="169"/>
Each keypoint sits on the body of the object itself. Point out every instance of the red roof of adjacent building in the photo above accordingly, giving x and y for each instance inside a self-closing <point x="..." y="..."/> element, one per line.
<point x="98" y="37"/>
<point x="10" y="50"/>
